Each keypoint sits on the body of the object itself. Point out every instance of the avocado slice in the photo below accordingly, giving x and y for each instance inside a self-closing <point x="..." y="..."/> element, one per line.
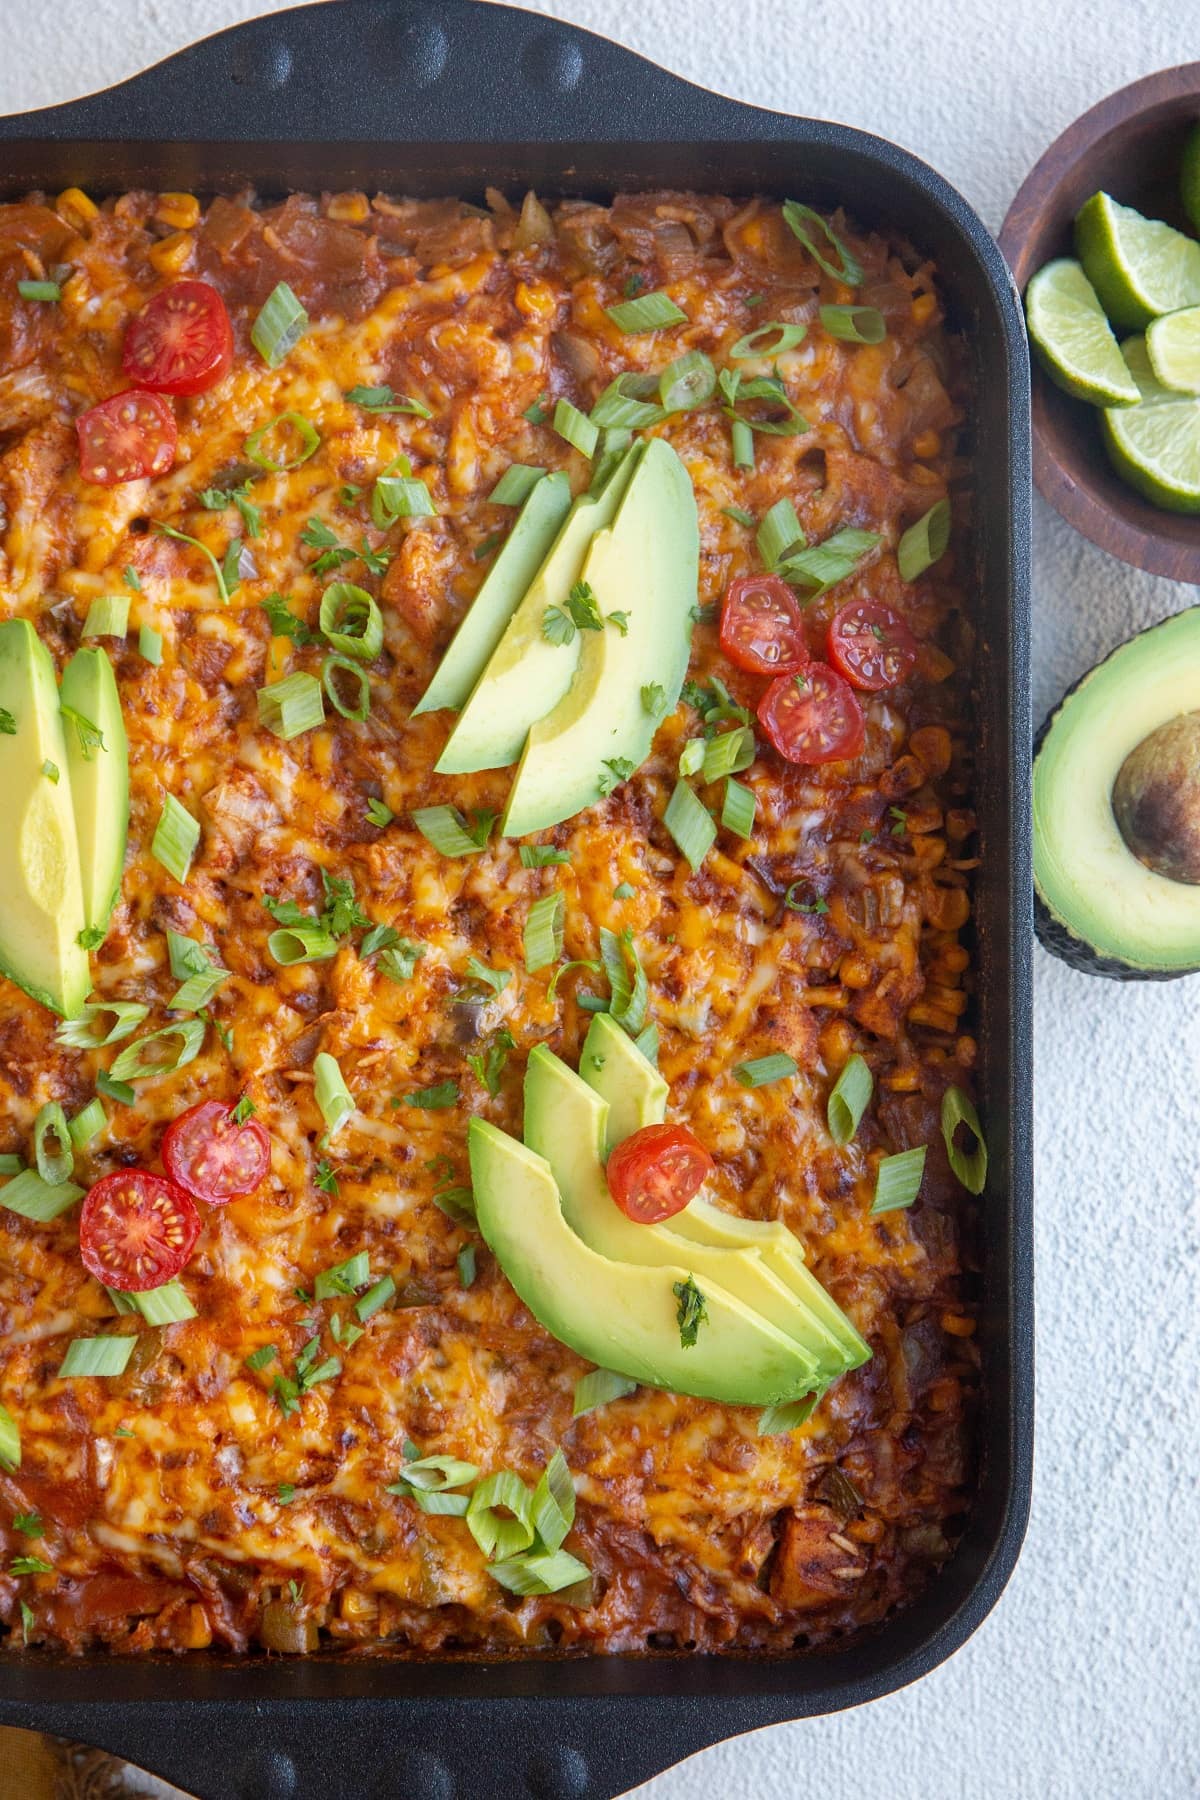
<point x="1099" y="906"/>
<point x="564" y="1122"/>
<point x="621" y="1316"/>
<point x="99" y="782"/>
<point x="524" y="551"/>
<point x="526" y="675"/>
<point x="645" y="567"/>
<point x="613" y="1066"/>
<point x="41" y="915"/>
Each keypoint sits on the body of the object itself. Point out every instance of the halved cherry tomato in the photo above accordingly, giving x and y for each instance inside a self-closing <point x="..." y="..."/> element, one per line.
<point x="181" y="342"/>
<point x="654" y="1173"/>
<point x="136" y="1230"/>
<point x="207" y="1152"/>
<point x="125" y="438"/>
<point x="813" y="716"/>
<point x="762" y="626"/>
<point x="871" y="645"/>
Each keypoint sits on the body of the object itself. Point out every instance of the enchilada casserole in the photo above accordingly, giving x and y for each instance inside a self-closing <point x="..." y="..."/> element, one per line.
<point x="304" y="1373"/>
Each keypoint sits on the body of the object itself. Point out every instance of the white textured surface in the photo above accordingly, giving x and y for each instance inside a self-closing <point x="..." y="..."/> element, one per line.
<point x="1082" y="1685"/>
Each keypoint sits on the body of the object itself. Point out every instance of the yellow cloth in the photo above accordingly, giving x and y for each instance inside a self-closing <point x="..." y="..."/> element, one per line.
<point x="40" y="1768"/>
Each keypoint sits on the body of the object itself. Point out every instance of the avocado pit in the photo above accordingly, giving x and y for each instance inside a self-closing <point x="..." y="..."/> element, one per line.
<point x="1156" y="799"/>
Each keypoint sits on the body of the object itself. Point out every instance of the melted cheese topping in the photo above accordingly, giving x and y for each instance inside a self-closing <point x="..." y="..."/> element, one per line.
<point x="180" y="1500"/>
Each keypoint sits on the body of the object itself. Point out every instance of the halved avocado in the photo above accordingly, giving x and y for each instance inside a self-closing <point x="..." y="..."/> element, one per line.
<point x="1116" y="811"/>
<point x="41" y="896"/>
<point x="621" y="1316"/>
<point x="99" y="781"/>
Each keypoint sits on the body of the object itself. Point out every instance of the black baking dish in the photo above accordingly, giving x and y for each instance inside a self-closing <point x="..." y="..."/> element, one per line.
<point x="445" y="98"/>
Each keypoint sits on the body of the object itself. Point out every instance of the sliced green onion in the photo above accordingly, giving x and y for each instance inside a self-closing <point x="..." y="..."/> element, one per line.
<point x="351" y="621"/>
<point x="854" y="324"/>
<point x="848" y="1099"/>
<point x="293" y="944"/>
<point x="598" y="1388"/>
<point x="554" y="1502"/>
<point x="691" y="757"/>
<point x="53" y="1146"/>
<point x="175" y="838"/>
<point x="760" y="1070"/>
<point x="775" y="1419"/>
<point x="779" y="532"/>
<point x="542" y="856"/>
<point x="39" y="290"/>
<point x="36" y="1199"/>
<point x="279" y="326"/>
<point x="11" y="1163"/>
<point x="496" y="1534"/>
<point x="648" y="312"/>
<point x="465" y="1262"/>
<point x="729" y="753"/>
<point x="898" y="1180"/>
<point x="687" y="382"/>
<point x="333" y="1096"/>
<point x="446" y="829"/>
<point x="291" y="706"/>
<point x="103" y="1356"/>
<point x="515" y="485"/>
<point x="538" y="1574"/>
<point x="434" y="1099"/>
<point x="87" y="1124"/>
<point x="131" y="1065"/>
<point x="400" y="497"/>
<point x="576" y="427"/>
<point x="309" y="436"/>
<point x="823" y="565"/>
<point x="434" y="1474"/>
<point x="343" y="1278"/>
<point x="165" y="1305"/>
<point x="738" y="809"/>
<point x="543" y="936"/>
<point x="924" y="543"/>
<point x="452" y="1505"/>
<point x="690" y="824"/>
<point x="150" y="645"/>
<point x="614" y="443"/>
<point x="458" y="1203"/>
<point x="630" y="992"/>
<point x="330" y="669"/>
<point x="108" y="616"/>
<point x="740" y="516"/>
<point x="81" y="1034"/>
<point x="120" y="1091"/>
<point x="628" y="403"/>
<point x="10" y="1440"/>
<point x="970" y="1166"/>
<point x="742" y="438"/>
<point x="647" y="1042"/>
<point x="798" y="218"/>
<point x="755" y="342"/>
<point x="197" y="990"/>
<point x="375" y="1297"/>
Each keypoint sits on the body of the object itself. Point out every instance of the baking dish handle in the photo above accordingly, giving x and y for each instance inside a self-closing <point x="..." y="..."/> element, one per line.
<point x="400" y="71"/>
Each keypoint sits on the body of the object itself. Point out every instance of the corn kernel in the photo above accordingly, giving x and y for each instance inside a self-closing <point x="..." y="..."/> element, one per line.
<point x="75" y="209"/>
<point x="358" y="1607"/>
<point x="904" y="1081"/>
<point x="535" y="300"/>
<point x="836" y="1041"/>
<point x="197" y="1632"/>
<point x="957" y="1326"/>
<point x="927" y="444"/>
<point x="348" y="209"/>
<point x="172" y="254"/>
<point x="855" y="971"/>
<point x="923" y="309"/>
<point x="180" y="211"/>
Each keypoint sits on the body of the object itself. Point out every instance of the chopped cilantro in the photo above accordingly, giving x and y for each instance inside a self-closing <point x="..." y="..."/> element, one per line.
<point x="325" y="1177"/>
<point x="692" y="1311"/>
<point x="619" y="769"/>
<point x="488" y="1066"/>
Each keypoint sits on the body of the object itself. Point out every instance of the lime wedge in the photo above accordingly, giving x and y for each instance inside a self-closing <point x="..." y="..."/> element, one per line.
<point x="1189" y="177"/>
<point x="1138" y="267"/>
<point x="1073" y="339"/>
<point x="1155" y="446"/>
<point x="1173" y="346"/>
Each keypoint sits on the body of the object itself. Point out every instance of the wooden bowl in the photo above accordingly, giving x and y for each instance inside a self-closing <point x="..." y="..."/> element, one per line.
<point x="1130" y="145"/>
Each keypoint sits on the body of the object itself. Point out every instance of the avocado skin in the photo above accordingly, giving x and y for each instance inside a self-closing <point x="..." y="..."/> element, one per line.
<point x="1052" y="933"/>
